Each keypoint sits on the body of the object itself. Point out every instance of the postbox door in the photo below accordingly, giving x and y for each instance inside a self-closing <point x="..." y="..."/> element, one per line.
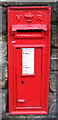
<point x="28" y="78"/>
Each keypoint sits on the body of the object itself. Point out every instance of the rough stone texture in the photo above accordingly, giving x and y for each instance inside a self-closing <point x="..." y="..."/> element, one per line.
<point x="3" y="76"/>
<point x="52" y="82"/>
<point x="6" y="4"/>
<point x="57" y="107"/>
<point x="0" y="19"/>
<point x="4" y="99"/>
<point x="0" y="102"/>
<point x="0" y="52"/>
<point x="52" y="103"/>
<point x="54" y="64"/>
<point x="4" y="22"/>
<point x="28" y="1"/>
<point x="0" y="117"/>
<point x="53" y="12"/>
<point x="4" y="51"/>
<point x="57" y="7"/>
<point x="31" y="119"/>
<point x="54" y="36"/>
<point x="3" y="61"/>
<point x="57" y="83"/>
<point x="4" y="38"/>
<point x="54" y="53"/>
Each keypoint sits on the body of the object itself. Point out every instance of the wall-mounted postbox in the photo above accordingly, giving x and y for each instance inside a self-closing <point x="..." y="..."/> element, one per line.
<point x="28" y="59"/>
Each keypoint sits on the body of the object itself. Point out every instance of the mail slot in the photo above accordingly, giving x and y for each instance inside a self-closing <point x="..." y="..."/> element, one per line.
<point x="28" y="59"/>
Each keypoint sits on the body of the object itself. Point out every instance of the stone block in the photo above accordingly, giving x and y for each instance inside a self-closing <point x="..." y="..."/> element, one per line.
<point x="57" y="106"/>
<point x="3" y="52"/>
<point x="4" y="38"/>
<point x="54" y="53"/>
<point x="52" y="103"/>
<point x="56" y="7"/>
<point x="23" y="3"/>
<point x="4" y="101"/>
<point x="4" y="10"/>
<point x="57" y="96"/>
<point x="4" y="20"/>
<point x="54" y="36"/>
<point x="57" y="85"/>
<point x="1" y="19"/>
<point x="0" y="101"/>
<point x="0" y="37"/>
<point x="54" y="63"/>
<point x="3" y="76"/>
<point x="0" y="51"/>
<point x="52" y="82"/>
<point x="0" y="117"/>
<point x="3" y="84"/>
<point x="53" y="12"/>
<point x="0" y="73"/>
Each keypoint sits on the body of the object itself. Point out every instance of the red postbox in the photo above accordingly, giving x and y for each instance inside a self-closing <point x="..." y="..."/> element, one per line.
<point x="28" y="59"/>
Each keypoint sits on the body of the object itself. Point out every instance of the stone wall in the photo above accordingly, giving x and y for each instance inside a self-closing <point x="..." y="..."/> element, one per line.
<point x="4" y="113"/>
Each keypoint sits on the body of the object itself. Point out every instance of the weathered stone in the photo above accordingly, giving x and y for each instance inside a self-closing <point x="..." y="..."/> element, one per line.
<point x="4" y="101"/>
<point x="53" y="12"/>
<point x="54" y="63"/>
<point x="0" y="84"/>
<point x="4" y="72"/>
<point x="3" y="84"/>
<point x="3" y="76"/>
<point x="4" y="10"/>
<point x="3" y="52"/>
<point x="54" y="53"/>
<point x="0" y="117"/>
<point x="57" y="106"/>
<point x="27" y="2"/>
<point x="4" y="38"/>
<point x="0" y="101"/>
<point x="56" y="12"/>
<point x="4" y="20"/>
<point x="56" y="7"/>
<point x="57" y="95"/>
<point x="31" y="118"/>
<point x="0" y="37"/>
<point x="0" y="19"/>
<point x="57" y="82"/>
<point x="24" y="2"/>
<point x="3" y="62"/>
<point x="52" y="103"/>
<point x="54" y="36"/>
<point x="0" y="73"/>
<point x="52" y="82"/>
<point x="0" y="51"/>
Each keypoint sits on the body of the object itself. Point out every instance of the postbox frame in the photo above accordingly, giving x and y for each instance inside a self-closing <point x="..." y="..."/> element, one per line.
<point x="13" y="109"/>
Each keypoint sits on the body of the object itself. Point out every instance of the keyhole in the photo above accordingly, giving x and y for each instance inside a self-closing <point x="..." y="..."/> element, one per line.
<point x="22" y="82"/>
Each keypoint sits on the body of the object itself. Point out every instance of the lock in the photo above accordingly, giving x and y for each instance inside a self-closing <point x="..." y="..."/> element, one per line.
<point x="22" y="82"/>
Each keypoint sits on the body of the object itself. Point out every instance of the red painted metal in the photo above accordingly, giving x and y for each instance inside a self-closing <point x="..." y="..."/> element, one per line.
<point x="29" y="27"/>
